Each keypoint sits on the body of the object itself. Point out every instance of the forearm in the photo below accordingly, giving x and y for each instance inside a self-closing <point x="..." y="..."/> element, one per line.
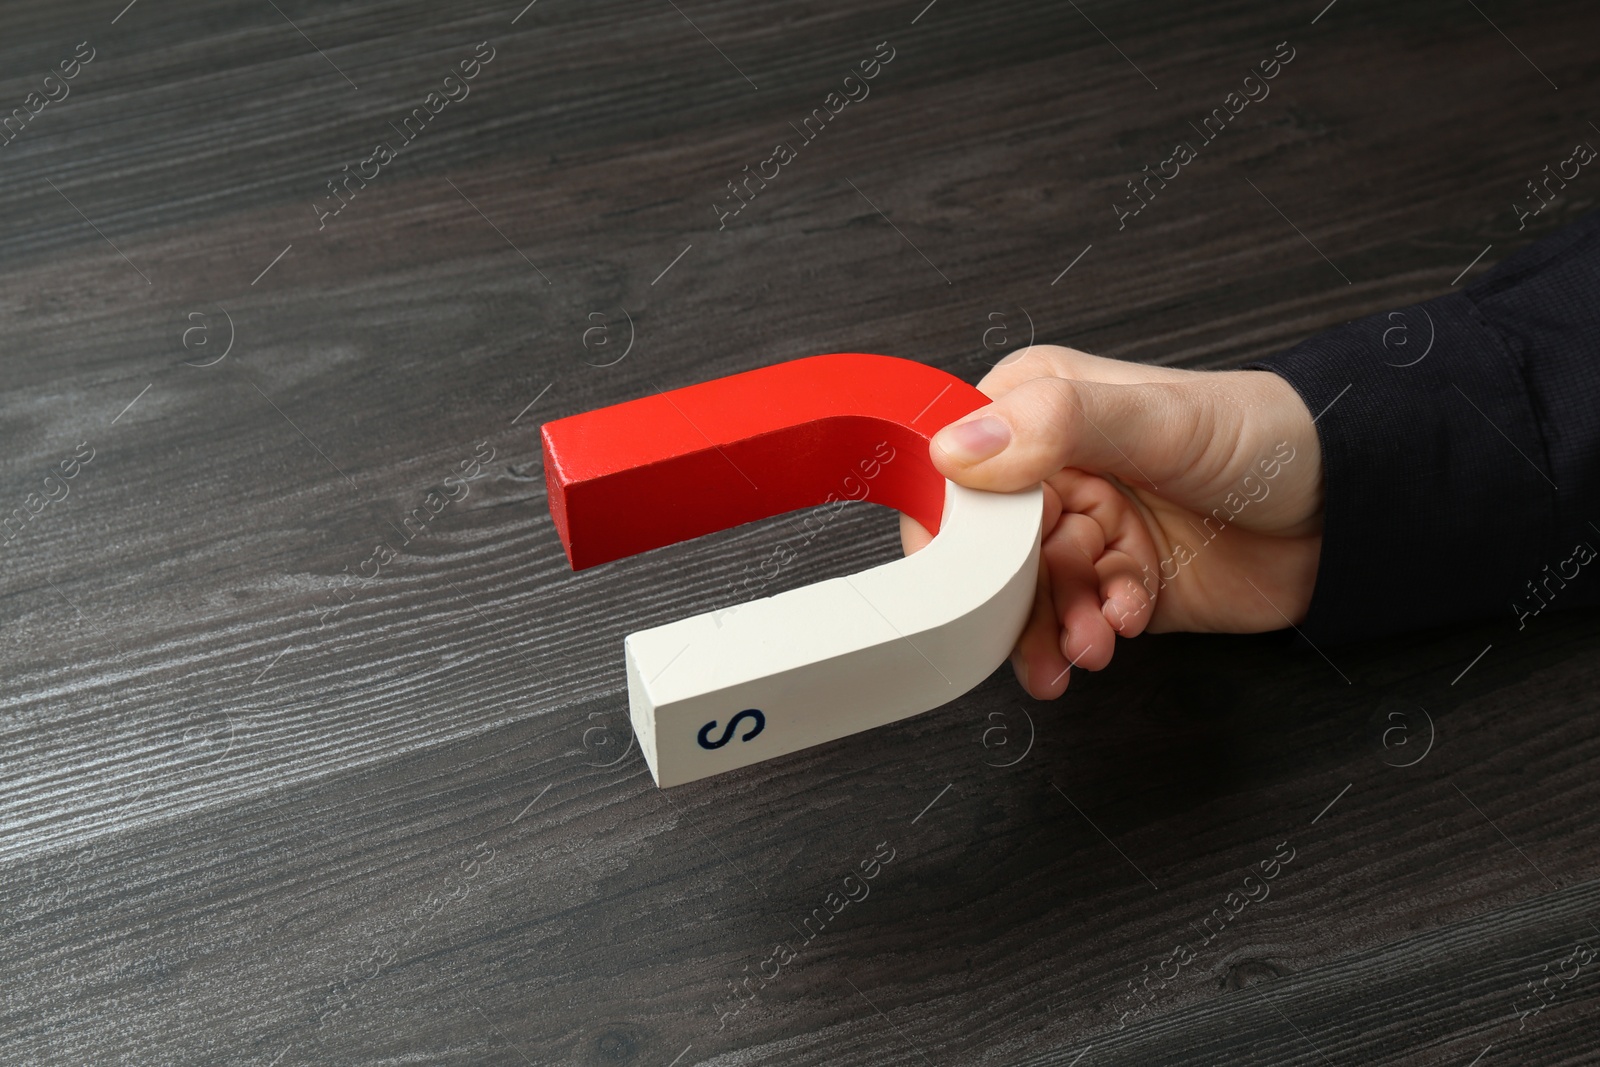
<point x="1461" y="448"/>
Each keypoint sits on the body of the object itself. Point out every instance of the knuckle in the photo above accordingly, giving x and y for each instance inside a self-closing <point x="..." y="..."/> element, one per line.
<point x="1056" y="401"/>
<point x="1031" y="361"/>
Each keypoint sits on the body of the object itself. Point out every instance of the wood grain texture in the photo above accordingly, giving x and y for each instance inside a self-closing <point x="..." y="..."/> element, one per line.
<point x="238" y="826"/>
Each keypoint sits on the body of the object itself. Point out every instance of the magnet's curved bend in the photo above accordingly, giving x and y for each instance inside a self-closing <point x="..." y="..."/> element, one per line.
<point x="829" y="659"/>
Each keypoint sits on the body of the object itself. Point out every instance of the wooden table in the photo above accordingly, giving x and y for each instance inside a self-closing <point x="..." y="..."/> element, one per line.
<point x="263" y="807"/>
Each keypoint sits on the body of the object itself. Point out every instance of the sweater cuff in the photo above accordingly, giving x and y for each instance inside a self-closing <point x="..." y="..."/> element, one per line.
<point x="1436" y="500"/>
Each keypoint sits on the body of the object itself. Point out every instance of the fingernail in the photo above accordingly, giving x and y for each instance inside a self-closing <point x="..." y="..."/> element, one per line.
<point x="975" y="440"/>
<point x="1123" y="607"/>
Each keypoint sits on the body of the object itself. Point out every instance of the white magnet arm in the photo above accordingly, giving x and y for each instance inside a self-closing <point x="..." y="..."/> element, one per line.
<point x="729" y="688"/>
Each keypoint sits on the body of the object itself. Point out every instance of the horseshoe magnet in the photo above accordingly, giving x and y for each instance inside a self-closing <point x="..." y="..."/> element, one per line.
<point x="729" y="688"/>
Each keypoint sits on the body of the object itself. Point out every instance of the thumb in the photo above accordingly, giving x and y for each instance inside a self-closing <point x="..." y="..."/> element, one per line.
<point x="1149" y="434"/>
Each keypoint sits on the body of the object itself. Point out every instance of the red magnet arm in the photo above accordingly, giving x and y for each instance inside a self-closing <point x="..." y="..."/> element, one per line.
<point x="681" y="464"/>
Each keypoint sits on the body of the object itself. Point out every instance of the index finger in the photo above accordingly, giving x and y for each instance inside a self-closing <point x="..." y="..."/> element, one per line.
<point x="1056" y="361"/>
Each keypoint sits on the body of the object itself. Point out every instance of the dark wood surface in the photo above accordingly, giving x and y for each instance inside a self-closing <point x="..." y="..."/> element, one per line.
<point x="237" y="828"/>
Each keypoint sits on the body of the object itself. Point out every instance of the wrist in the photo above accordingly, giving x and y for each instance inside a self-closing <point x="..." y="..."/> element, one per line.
<point x="1284" y="444"/>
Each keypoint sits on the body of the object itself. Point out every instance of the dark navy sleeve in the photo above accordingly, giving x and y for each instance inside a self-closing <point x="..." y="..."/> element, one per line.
<point x="1460" y="449"/>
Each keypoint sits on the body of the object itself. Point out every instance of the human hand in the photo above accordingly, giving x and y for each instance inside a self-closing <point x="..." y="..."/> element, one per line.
<point x="1173" y="500"/>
